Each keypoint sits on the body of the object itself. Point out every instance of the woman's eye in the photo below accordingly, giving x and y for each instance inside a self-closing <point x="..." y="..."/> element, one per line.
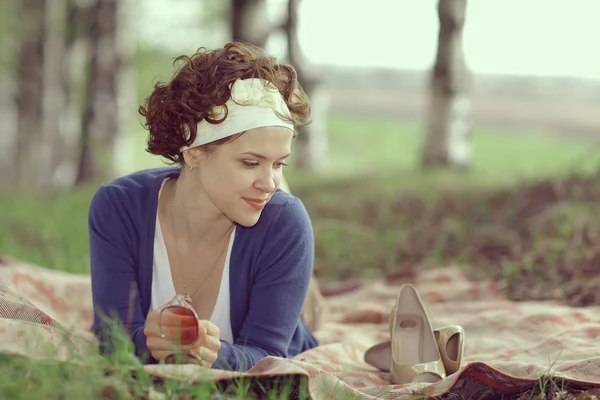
<point x="250" y="164"/>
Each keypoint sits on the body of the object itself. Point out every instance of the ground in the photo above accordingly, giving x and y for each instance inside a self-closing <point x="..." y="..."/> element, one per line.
<point x="538" y="240"/>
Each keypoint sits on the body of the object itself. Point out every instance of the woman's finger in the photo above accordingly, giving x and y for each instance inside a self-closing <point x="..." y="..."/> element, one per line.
<point x="155" y="343"/>
<point x="210" y="342"/>
<point x="211" y="329"/>
<point x="207" y="356"/>
<point x="151" y="329"/>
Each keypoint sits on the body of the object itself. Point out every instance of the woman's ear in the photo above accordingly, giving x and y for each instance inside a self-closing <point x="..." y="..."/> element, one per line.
<point x="191" y="157"/>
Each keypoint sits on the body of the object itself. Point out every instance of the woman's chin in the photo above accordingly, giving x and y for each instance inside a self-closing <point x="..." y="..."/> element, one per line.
<point x="247" y="219"/>
<point x="247" y="223"/>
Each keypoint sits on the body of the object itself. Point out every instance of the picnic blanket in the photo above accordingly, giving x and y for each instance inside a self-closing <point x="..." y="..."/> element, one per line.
<point x="509" y="346"/>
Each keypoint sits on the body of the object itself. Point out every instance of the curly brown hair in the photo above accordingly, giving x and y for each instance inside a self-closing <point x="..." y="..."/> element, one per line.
<point x="203" y="82"/>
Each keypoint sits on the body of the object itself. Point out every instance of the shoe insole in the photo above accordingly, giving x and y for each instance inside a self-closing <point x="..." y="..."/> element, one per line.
<point x="409" y="340"/>
<point x="452" y="347"/>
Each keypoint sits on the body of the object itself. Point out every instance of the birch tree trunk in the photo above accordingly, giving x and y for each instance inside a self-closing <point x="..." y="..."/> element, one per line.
<point x="311" y="144"/>
<point x="449" y="125"/>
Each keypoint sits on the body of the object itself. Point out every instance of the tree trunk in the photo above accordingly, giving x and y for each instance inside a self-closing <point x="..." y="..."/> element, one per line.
<point x="248" y="23"/>
<point x="80" y="15"/>
<point x="311" y="144"/>
<point x="53" y="99"/>
<point x="449" y="122"/>
<point x="126" y="88"/>
<point x="8" y="138"/>
<point x="8" y="107"/>
<point x="30" y="90"/>
<point x="99" y="133"/>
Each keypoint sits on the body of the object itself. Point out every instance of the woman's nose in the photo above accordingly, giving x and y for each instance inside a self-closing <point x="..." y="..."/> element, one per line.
<point x="266" y="182"/>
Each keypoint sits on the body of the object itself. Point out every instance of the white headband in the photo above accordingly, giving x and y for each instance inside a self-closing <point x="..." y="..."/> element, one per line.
<point x="254" y="103"/>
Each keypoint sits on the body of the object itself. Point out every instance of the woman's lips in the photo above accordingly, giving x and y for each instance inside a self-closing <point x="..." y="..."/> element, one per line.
<point x="257" y="204"/>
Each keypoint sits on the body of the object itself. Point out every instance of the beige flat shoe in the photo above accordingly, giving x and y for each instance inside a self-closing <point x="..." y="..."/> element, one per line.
<point x="414" y="352"/>
<point x="450" y="342"/>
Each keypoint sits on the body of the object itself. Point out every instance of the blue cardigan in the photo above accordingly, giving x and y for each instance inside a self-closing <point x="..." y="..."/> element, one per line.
<point x="271" y="266"/>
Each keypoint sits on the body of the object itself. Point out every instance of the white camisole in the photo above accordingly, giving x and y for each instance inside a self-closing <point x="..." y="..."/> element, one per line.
<point x="163" y="289"/>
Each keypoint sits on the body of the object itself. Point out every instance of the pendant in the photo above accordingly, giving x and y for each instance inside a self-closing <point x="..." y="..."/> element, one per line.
<point x="187" y="297"/>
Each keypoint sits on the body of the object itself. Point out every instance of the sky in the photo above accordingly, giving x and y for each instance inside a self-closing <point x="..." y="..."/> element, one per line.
<point x="521" y="37"/>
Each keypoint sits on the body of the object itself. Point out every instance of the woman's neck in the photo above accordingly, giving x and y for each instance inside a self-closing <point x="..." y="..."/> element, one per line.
<point x="194" y="216"/>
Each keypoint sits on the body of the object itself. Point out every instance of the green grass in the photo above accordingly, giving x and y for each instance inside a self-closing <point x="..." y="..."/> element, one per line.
<point x="359" y="144"/>
<point x="90" y="376"/>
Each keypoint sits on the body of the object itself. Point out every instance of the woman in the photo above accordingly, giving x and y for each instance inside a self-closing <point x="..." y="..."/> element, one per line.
<point x="215" y="229"/>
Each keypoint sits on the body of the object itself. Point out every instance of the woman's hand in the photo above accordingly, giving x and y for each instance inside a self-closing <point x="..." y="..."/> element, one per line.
<point x="198" y="337"/>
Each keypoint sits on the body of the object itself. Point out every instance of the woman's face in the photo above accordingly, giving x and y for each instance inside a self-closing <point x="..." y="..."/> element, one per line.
<point x="241" y="176"/>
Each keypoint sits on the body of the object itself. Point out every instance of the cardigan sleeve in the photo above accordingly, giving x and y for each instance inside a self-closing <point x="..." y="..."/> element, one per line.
<point x="115" y="296"/>
<point x="284" y="268"/>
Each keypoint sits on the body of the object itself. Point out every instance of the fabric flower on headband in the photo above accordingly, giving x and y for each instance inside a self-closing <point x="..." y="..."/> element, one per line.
<point x="254" y="103"/>
<point x="254" y="92"/>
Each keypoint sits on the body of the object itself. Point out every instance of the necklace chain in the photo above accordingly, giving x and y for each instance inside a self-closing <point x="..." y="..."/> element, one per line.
<point x="188" y="296"/>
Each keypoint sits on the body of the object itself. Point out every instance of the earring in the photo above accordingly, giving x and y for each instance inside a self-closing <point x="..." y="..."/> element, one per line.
<point x="191" y="167"/>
